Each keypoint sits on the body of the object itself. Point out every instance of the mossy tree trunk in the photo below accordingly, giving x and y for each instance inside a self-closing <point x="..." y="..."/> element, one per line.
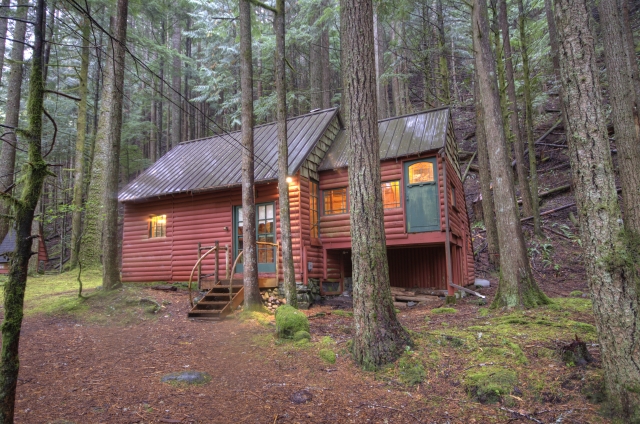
<point x="4" y="11"/>
<point x="24" y="207"/>
<point x="611" y="254"/>
<point x="100" y="237"/>
<point x="488" y="211"/>
<point x="528" y="121"/>
<point x="514" y="123"/>
<point x="379" y="338"/>
<point x="81" y="137"/>
<point x="252" y="298"/>
<point x="625" y="116"/>
<point x="516" y="288"/>
<point x="12" y="114"/>
<point x="283" y="160"/>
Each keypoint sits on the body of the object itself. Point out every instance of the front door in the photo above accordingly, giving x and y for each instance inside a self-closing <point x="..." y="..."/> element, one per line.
<point x="421" y="195"/>
<point x="265" y="232"/>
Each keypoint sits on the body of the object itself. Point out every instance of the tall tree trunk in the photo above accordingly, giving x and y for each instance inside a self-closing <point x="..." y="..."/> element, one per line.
<point x="110" y="239"/>
<point x="528" y="119"/>
<point x="623" y="105"/>
<point x="176" y="99"/>
<point x="49" y="37"/>
<point x="488" y="210"/>
<point x="381" y="85"/>
<point x="12" y="114"/>
<point x="516" y="288"/>
<point x="553" y="37"/>
<point x="3" y="33"/>
<point x="315" y="63"/>
<point x="631" y="47"/>
<point x="283" y="160"/>
<point x="252" y="298"/>
<point x="379" y="338"/>
<point x="514" y="122"/>
<point x="611" y="255"/>
<point x="445" y="93"/>
<point x="100" y="241"/>
<point x="81" y="135"/>
<point x="326" y="65"/>
<point x="35" y="174"/>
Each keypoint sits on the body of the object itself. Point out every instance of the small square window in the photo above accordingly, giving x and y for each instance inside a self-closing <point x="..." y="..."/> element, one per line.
<point x="158" y="226"/>
<point x="391" y="194"/>
<point x="335" y="201"/>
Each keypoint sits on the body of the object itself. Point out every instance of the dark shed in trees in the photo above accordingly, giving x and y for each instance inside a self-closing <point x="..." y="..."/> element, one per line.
<point x="8" y="245"/>
<point x="192" y="196"/>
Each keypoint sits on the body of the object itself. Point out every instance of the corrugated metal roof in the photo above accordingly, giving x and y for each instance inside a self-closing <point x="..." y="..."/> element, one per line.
<point x="215" y="162"/>
<point x="8" y="245"/>
<point x="401" y="136"/>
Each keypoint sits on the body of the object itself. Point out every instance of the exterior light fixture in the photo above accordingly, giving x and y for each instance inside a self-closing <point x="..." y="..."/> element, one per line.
<point x="289" y="180"/>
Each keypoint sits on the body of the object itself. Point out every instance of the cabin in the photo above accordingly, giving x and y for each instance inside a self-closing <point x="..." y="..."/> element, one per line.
<point x="8" y="245"/>
<point x="190" y="201"/>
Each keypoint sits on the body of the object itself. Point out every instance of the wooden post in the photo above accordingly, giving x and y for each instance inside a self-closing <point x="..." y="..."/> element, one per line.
<point x="215" y="271"/>
<point x="227" y="265"/>
<point x="447" y="243"/>
<point x="199" y="267"/>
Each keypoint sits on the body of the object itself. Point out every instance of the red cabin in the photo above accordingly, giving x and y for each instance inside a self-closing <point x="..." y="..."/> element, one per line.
<point x="191" y="198"/>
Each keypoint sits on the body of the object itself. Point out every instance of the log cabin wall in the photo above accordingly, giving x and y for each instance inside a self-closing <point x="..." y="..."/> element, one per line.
<point x="191" y="219"/>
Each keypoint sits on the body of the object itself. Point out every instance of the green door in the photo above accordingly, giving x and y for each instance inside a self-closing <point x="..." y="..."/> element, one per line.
<point x="266" y="232"/>
<point x="421" y="195"/>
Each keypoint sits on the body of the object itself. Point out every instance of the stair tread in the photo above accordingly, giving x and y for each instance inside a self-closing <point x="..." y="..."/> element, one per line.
<point x="205" y="312"/>
<point x="213" y="302"/>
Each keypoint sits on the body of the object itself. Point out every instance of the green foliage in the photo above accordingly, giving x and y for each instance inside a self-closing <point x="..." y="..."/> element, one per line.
<point x="576" y="293"/>
<point x="328" y="355"/>
<point x="410" y="370"/>
<point x="289" y="321"/>
<point x="341" y="313"/>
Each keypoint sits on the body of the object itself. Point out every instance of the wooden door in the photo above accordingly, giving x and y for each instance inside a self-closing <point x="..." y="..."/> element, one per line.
<point x="421" y="196"/>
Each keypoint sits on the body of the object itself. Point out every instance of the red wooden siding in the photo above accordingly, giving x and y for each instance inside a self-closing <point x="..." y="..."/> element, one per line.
<point x="192" y="219"/>
<point x="418" y="267"/>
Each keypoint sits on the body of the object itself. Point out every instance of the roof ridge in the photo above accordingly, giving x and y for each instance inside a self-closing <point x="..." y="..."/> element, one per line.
<point x="422" y="112"/>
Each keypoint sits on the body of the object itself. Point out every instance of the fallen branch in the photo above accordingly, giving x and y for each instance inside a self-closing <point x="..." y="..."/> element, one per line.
<point x="464" y="289"/>
<point x="540" y="139"/>
<point x="464" y="177"/>
<point x="548" y="193"/>
<point x="521" y="415"/>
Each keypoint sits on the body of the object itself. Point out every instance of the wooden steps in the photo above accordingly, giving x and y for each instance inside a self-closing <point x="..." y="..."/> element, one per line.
<point x="219" y="302"/>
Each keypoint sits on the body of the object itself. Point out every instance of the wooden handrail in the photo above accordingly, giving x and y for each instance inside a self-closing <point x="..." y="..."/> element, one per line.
<point x="194" y="270"/>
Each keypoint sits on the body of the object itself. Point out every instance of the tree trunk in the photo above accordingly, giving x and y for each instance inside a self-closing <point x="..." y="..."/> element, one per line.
<point x="176" y="100"/>
<point x="252" y="298"/>
<point x="283" y="160"/>
<point x="315" y="63"/>
<point x="493" y="249"/>
<point x="100" y="241"/>
<point x="623" y="105"/>
<point x="49" y="37"/>
<point x="445" y="93"/>
<point x="611" y="255"/>
<point x="3" y="33"/>
<point x="514" y="123"/>
<point x="379" y="338"/>
<point x="553" y="37"/>
<point x="528" y="118"/>
<point x="81" y="135"/>
<point x="12" y="115"/>
<point x="516" y="288"/>
<point x="24" y="210"/>
<point x="326" y="65"/>
<point x="381" y="85"/>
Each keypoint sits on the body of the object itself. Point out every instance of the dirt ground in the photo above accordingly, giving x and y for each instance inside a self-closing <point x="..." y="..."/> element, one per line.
<point x="73" y="371"/>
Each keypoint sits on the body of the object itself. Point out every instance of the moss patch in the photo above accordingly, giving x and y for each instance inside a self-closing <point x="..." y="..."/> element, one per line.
<point x="410" y="370"/>
<point x="443" y="311"/>
<point x="490" y="384"/>
<point x="289" y="321"/>
<point x="261" y="318"/>
<point x="328" y="355"/>
<point x="341" y="313"/>
<point x="302" y="335"/>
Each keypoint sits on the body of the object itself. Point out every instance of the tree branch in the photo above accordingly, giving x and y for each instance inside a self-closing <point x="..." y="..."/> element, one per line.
<point x="68" y="96"/>
<point x="264" y="6"/>
<point x="55" y="131"/>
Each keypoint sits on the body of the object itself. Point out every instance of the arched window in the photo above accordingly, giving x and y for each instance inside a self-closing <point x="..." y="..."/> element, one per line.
<point x="421" y="172"/>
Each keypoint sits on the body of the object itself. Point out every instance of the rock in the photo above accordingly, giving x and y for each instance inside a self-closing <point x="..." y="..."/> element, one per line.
<point x="165" y="287"/>
<point x="411" y="304"/>
<point x="289" y="321"/>
<point x="187" y="377"/>
<point x="302" y="335"/>
<point x="303" y="396"/>
<point x="283" y="301"/>
<point x="482" y="283"/>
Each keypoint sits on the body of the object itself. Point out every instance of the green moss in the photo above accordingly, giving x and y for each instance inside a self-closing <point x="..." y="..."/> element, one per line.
<point x="410" y="370"/>
<point x="262" y="318"/>
<point x="327" y="341"/>
<point x="443" y="311"/>
<point x="302" y="335"/>
<point x="289" y="321"/>
<point x="341" y="313"/>
<point x="576" y="293"/>
<point x="483" y="312"/>
<point x="328" y="355"/>
<point x="490" y="384"/>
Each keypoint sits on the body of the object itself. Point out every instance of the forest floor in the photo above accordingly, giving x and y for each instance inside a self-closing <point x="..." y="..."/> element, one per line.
<point x="100" y="360"/>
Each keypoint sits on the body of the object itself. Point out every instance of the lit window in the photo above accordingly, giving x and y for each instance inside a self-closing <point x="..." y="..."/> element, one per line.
<point x="421" y="172"/>
<point x="158" y="226"/>
<point x="335" y="201"/>
<point x="453" y="196"/>
<point x="391" y="194"/>
<point x="313" y="208"/>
